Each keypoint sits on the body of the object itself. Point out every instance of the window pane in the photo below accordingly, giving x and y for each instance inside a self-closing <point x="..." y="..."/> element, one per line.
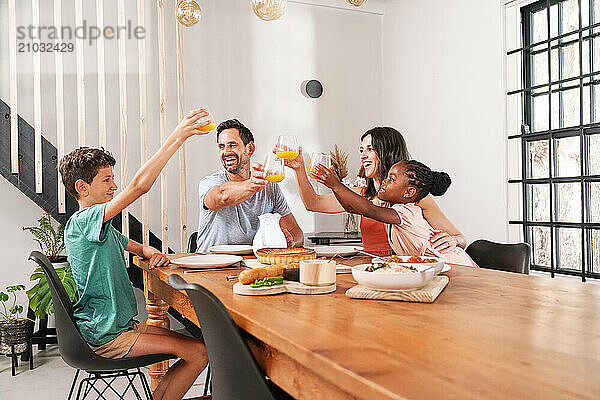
<point x="587" y="112"/>
<point x="569" y="248"/>
<point x="570" y="108"/>
<point x="554" y="20"/>
<point x="538" y="159"/>
<point x="568" y="202"/>
<point x="594" y="154"/>
<point x="595" y="247"/>
<point x="570" y="15"/>
<point x="539" y="63"/>
<point x="556" y="109"/>
<point x="596" y="51"/>
<point x="596" y="105"/>
<point x="554" y="62"/>
<point x="540" y="113"/>
<point x="570" y="59"/>
<point x="585" y="13"/>
<point x="539" y="202"/>
<point x="567" y="156"/>
<point x="540" y="237"/>
<point x="540" y="26"/>
<point x="594" y="193"/>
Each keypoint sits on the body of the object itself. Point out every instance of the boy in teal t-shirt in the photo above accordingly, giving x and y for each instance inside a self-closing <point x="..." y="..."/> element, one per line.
<point x="106" y="307"/>
<point x="95" y="251"/>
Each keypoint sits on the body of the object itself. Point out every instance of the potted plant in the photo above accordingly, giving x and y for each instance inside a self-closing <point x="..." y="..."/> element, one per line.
<point x="51" y="241"/>
<point x="14" y="330"/>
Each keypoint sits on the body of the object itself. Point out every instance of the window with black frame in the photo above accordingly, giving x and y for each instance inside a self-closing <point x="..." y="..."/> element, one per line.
<point x="560" y="135"/>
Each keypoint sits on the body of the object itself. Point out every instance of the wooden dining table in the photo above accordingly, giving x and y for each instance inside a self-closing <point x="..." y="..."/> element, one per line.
<point x="489" y="335"/>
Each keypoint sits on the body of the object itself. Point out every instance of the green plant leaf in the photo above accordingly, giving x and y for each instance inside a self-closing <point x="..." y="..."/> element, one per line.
<point x="43" y="306"/>
<point x="31" y="293"/>
<point x="36" y="275"/>
<point x="3" y="296"/>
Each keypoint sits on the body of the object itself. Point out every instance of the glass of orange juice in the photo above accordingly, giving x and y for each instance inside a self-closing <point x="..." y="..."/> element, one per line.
<point x="287" y="147"/>
<point x="274" y="171"/>
<point x="210" y="127"/>
<point x="318" y="158"/>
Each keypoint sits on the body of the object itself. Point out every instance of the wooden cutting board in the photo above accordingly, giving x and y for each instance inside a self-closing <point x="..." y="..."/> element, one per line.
<point x="426" y="294"/>
<point x="286" y="287"/>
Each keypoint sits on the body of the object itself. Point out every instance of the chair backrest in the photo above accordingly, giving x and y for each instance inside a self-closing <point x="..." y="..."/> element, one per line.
<point x="192" y="242"/>
<point x="72" y="346"/>
<point x="512" y="257"/>
<point x="235" y="372"/>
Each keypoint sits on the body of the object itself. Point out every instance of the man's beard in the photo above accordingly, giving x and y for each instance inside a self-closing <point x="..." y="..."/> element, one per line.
<point x="233" y="168"/>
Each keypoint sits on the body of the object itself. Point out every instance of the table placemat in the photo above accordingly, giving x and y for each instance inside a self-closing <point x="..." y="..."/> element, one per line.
<point x="426" y="294"/>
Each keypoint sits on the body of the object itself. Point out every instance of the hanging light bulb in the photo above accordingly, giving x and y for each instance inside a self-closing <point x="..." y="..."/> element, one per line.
<point x="188" y="12"/>
<point x="268" y="10"/>
<point x="356" y="3"/>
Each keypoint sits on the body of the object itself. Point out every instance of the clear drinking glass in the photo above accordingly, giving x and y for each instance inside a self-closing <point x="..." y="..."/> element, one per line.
<point x="210" y="127"/>
<point x="287" y="147"/>
<point x="318" y="158"/>
<point x="274" y="171"/>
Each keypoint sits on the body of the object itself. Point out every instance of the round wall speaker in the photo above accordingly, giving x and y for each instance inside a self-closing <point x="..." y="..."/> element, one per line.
<point x="311" y="88"/>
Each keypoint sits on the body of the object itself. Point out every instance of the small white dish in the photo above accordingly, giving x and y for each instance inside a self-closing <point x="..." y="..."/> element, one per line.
<point x="392" y="281"/>
<point x="330" y="251"/>
<point x="206" y="261"/>
<point x="238" y="249"/>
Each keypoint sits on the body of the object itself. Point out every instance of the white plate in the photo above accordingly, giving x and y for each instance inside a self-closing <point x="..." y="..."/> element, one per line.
<point x="206" y="261"/>
<point x="231" y="249"/>
<point x="254" y="263"/>
<point x="330" y="251"/>
<point x="391" y="281"/>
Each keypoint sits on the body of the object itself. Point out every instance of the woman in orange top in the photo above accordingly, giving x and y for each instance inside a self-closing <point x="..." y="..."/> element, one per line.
<point x="381" y="147"/>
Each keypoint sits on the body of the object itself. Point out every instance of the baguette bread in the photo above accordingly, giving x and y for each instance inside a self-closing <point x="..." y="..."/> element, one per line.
<point x="248" y="276"/>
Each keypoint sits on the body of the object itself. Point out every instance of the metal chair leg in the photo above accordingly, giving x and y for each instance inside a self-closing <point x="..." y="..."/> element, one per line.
<point x="146" y="387"/>
<point x="14" y="361"/>
<point x="79" y="389"/>
<point x="207" y="381"/>
<point x="30" y="347"/>
<point x="73" y="384"/>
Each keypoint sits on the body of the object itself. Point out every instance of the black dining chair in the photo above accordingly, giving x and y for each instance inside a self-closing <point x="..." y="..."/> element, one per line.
<point x="75" y="351"/>
<point x="192" y="244"/>
<point x="511" y="257"/>
<point x="235" y="372"/>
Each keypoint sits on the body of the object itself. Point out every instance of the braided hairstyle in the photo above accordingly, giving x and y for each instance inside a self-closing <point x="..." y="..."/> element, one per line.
<point x="425" y="180"/>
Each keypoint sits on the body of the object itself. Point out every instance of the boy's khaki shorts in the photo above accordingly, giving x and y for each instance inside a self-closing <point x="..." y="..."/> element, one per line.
<point x="120" y="346"/>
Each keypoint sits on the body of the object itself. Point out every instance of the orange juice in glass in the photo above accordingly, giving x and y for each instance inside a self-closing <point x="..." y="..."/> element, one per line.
<point x="318" y="158"/>
<point x="210" y="127"/>
<point x="274" y="171"/>
<point x="286" y="147"/>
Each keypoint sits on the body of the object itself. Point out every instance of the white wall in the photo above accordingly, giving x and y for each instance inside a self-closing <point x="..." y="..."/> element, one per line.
<point x="16" y="211"/>
<point x="443" y="89"/>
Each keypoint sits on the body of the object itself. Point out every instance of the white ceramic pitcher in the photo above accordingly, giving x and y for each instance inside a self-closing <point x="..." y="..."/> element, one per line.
<point x="269" y="233"/>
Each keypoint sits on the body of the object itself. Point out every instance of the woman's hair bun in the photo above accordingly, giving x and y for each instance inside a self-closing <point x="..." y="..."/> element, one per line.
<point x="441" y="183"/>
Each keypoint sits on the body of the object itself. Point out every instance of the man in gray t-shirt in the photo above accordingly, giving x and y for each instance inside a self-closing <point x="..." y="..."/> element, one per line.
<point x="232" y="199"/>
